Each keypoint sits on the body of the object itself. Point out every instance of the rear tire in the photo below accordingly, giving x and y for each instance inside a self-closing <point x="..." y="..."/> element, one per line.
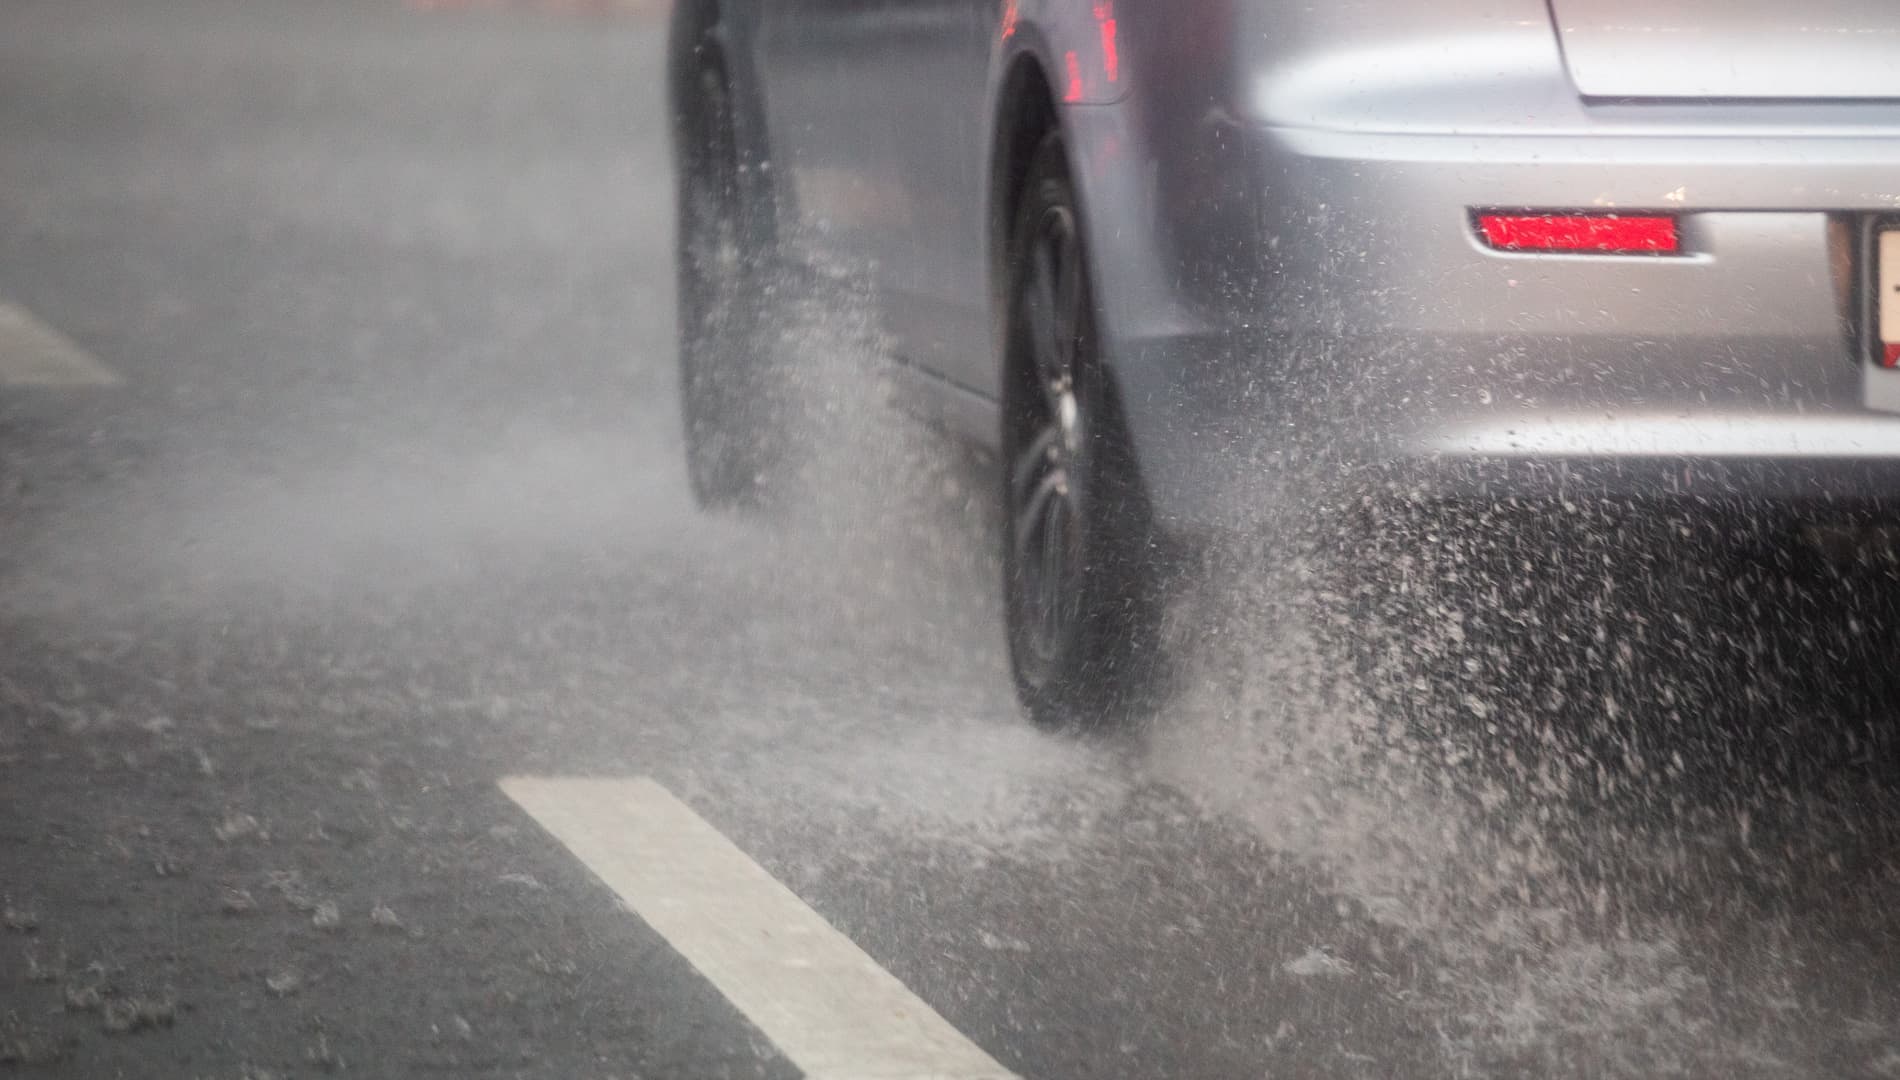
<point x="1079" y="543"/>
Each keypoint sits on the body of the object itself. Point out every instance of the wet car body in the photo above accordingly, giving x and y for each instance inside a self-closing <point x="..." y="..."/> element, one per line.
<point x="1280" y="200"/>
<point x="1284" y="211"/>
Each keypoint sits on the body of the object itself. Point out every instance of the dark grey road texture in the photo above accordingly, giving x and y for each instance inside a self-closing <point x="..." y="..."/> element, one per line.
<point x="389" y="505"/>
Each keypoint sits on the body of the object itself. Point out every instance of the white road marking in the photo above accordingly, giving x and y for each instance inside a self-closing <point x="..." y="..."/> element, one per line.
<point x="827" y="1005"/>
<point x="34" y="354"/>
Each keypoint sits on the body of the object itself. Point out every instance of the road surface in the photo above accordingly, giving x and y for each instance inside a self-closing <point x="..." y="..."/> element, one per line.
<point x="373" y="701"/>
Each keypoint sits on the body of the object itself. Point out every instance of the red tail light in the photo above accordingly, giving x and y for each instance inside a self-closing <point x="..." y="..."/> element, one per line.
<point x="1607" y="234"/>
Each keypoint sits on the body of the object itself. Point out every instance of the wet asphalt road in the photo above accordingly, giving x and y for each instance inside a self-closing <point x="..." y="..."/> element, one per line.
<point x="388" y="504"/>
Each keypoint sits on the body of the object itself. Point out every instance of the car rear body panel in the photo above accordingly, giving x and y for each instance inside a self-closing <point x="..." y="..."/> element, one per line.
<point x="1298" y="283"/>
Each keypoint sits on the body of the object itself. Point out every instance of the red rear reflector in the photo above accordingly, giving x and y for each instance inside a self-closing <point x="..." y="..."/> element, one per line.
<point x="1892" y="358"/>
<point x="1606" y="233"/>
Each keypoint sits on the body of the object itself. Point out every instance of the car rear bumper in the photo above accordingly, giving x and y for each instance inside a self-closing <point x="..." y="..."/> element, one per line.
<point x="1362" y="332"/>
<point x="1226" y="426"/>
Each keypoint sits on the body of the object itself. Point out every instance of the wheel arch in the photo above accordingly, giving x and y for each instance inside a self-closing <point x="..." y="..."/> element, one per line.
<point x="1027" y="111"/>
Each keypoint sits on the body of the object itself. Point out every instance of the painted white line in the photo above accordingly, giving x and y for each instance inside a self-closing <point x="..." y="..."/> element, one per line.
<point x="827" y="1005"/>
<point x="34" y="354"/>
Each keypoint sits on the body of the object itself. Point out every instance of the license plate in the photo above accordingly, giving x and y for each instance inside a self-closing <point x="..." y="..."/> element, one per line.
<point x="1887" y="304"/>
<point x="1880" y="379"/>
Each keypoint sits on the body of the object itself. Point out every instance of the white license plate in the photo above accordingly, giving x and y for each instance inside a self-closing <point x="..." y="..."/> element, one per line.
<point x="1880" y="380"/>
<point x="1887" y="308"/>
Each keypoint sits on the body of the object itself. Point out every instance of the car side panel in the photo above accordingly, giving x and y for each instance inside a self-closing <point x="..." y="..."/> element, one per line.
<point x="881" y="115"/>
<point x="937" y="54"/>
<point x="836" y="167"/>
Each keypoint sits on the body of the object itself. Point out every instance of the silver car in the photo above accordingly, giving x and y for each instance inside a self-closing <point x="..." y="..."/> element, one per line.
<point x="1155" y="252"/>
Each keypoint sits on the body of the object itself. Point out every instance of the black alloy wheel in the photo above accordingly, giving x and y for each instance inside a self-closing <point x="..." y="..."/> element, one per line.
<point x="1078" y="545"/>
